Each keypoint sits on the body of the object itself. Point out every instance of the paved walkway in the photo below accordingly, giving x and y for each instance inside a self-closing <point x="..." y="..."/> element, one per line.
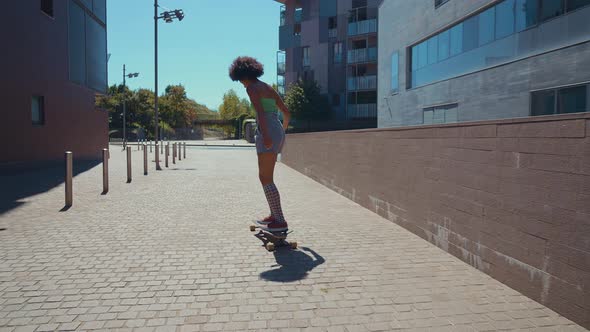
<point x="172" y="252"/>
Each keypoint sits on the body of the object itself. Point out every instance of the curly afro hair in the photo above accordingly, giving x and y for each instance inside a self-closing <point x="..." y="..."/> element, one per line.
<point x="245" y="67"/>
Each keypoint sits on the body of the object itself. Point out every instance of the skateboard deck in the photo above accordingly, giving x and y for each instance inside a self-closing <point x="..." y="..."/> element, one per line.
<point x="272" y="240"/>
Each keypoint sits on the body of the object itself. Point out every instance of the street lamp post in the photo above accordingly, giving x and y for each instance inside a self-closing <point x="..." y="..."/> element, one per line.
<point x="125" y="75"/>
<point x="168" y="17"/>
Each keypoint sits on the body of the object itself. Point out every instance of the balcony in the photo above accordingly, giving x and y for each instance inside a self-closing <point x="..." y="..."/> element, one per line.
<point x="362" y="55"/>
<point x="361" y="111"/>
<point x="362" y="27"/>
<point x="362" y="83"/>
<point x="332" y="33"/>
<point x="281" y="68"/>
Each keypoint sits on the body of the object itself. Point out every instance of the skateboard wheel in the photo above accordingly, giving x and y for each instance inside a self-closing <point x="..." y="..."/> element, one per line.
<point x="252" y="228"/>
<point x="270" y="246"/>
<point x="294" y="245"/>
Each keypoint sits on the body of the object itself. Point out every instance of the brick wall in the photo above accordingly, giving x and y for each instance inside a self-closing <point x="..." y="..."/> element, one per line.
<point x="510" y="197"/>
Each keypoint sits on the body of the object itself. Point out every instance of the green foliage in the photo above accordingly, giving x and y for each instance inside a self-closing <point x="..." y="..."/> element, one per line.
<point x="234" y="108"/>
<point x="305" y="101"/>
<point x="176" y="110"/>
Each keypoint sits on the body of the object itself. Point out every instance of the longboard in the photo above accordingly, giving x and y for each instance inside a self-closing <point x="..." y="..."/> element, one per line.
<point x="272" y="240"/>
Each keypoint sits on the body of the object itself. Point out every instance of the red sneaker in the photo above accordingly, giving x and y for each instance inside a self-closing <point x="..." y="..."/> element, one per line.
<point x="277" y="226"/>
<point x="266" y="220"/>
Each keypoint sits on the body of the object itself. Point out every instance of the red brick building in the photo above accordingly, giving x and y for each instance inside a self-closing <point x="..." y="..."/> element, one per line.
<point x="53" y="63"/>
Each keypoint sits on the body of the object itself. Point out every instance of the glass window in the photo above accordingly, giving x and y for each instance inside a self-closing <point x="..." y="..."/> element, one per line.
<point x="543" y="102"/>
<point x="575" y="4"/>
<point x="38" y="110"/>
<point x="451" y="115"/>
<point x="505" y="19"/>
<point x="76" y="44"/>
<point x="551" y="9"/>
<point x="572" y="100"/>
<point x="47" y="7"/>
<point x="87" y="3"/>
<point x="332" y="23"/>
<point x="486" y="26"/>
<point x="470" y="33"/>
<point x="100" y="9"/>
<point x="422" y="55"/>
<point x="395" y="72"/>
<point x="439" y="116"/>
<point x="414" y="58"/>
<point x="96" y="55"/>
<point x="444" y="45"/>
<point x="298" y="15"/>
<point x="432" y="50"/>
<point x="306" y="59"/>
<point x="526" y="14"/>
<point x="456" y="39"/>
<point x="428" y="117"/>
<point x="338" y="52"/>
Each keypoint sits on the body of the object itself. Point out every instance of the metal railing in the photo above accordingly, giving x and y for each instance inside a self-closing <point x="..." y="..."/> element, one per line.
<point x="361" y="111"/>
<point x="362" y="55"/>
<point x="362" y="27"/>
<point x="362" y="83"/>
<point x="332" y="33"/>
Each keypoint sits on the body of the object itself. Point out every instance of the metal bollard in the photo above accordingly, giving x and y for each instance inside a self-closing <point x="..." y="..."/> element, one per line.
<point x="167" y="153"/>
<point x="157" y="156"/>
<point x="184" y="145"/>
<point x="69" y="178"/>
<point x="145" y="160"/>
<point x="129" y="164"/>
<point x="179" y="152"/>
<point x="161" y="147"/>
<point x="150" y="146"/>
<point x="105" y="171"/>
<point x="174" y="153"/>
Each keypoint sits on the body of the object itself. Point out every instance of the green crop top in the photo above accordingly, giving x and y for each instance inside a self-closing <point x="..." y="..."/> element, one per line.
<point x="269" y="105"/>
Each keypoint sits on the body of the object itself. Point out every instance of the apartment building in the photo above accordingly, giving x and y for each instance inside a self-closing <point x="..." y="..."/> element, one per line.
<point x="335" y="43"/>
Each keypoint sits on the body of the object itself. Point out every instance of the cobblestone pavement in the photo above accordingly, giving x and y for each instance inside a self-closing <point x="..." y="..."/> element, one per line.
<point x="171" y="251"/>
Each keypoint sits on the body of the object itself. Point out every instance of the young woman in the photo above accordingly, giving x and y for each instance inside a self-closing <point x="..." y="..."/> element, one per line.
<point x="270" y="133"/>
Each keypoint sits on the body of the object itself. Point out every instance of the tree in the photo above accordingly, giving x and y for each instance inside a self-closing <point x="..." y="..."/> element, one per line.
<point x="176" y="109"/>
<point x="234" y="108"/>
<point x="305" y="101"/>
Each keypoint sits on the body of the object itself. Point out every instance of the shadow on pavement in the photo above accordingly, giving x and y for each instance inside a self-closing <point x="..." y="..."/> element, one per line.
<point x="18" y="184"/>
<point x="294" y="265"/>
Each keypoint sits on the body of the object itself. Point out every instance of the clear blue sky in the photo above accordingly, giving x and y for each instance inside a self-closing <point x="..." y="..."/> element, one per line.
<point x="197" y="51"/>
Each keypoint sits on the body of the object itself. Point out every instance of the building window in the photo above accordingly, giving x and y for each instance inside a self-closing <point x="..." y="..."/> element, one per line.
<point x="438" y="3"/>
<point x="297" y="30"/>
<point x="38" y="110"/>
<point x="479" y="39"/>
<point x="338" y="52"/>
<point x="298" y="15"/>
<point x="359" y="3"/>
<point x="560" y="101"/>
<point x="575" y="4"/>
<point x="395" y="72"/>
<point x="306" y="58"/>
<point x="440" y="114"/>
<point x="87" y="48"/>
<point x="550" y="9"/>
<point x="336" y="100"/>
<point x="47" y="7"/>
<point x="332" y="27"/>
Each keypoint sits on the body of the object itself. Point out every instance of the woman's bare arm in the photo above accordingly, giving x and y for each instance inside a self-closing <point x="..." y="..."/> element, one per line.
<point x="254" y="95"/>
<point x="286" y="114"/>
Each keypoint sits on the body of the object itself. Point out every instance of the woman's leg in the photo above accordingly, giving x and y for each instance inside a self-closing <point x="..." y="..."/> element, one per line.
<point x="266" y="167"/>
